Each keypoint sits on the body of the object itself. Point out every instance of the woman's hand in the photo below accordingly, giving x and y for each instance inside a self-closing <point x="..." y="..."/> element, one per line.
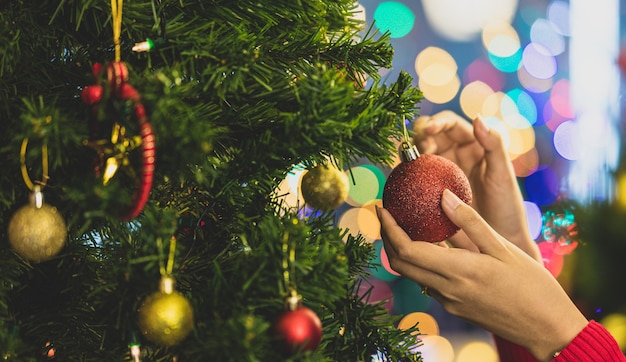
<point x="496" y="286"/>
<point x="480" y="153"/>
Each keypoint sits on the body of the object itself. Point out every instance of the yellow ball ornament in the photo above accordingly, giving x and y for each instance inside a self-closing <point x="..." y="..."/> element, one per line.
<point x="166" y="316"/>
<point x="324" y="187"/>
<point x="37" y="231"/>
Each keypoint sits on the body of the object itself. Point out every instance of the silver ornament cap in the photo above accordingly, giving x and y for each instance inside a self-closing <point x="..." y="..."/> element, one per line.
<point x="409" y="152"/>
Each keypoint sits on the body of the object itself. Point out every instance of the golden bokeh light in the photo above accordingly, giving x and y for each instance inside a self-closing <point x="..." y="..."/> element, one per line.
<point x="473" y="97"/>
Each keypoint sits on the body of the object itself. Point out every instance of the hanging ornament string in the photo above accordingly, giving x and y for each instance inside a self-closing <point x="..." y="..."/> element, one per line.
<point x="116" y="18"/>
<point x="288" y="264"/>
<point x="409" y="151"/>
<point x="166" y="269"/>
<point x="44" y="165"/>
<point x="405" y="131"/>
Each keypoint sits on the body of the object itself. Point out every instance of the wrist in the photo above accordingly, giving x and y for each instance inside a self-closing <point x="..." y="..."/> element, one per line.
<point x="549" y="348"/>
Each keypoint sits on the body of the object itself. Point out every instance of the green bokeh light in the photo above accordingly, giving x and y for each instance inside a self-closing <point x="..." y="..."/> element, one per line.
<point x="368" y="184"/>
<point x="507" y="64"/>
<point x="394" y="17"/>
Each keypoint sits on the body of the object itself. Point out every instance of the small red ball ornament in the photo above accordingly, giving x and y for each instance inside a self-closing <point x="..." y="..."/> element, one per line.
<point x="91" y="94"/>
<point x="299" y="327"/>
<point x="413" y="191"/>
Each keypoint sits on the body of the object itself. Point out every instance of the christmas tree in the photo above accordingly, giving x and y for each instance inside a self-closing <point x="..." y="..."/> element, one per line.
<point x="151" y="139"/>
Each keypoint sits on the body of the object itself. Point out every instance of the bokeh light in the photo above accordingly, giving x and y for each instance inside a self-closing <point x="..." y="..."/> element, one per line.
<point x="552" y="118"/>
<point x="500" y="39"/>
<point x="545" y="34"/>
<point x="440" y="94"/>
<point x="359" y="13"/>
<point x="394" y="17"/>
<point x="472" y="98"/>
<point x="384" y="259"/>
<point x="525" y="104"/>
<point x="534" y="219"/>
<point x="621" y="190"/>
<point x="380" y="265"/>
<point x="360" y="220"/>
<point x="492" y="107"/>
<point x="560" y="98"/>
<point x="369" y="225"/>
<point x="482" y="70"/>
<point x="533" y="84"/>
<point x="374" y="291"/>
<point x="563" y="144"/>
<point x="462" y="20"/>
<point x="526" y="163"/>
<point x="426" y="323"/>
<point x="507" y="64"/>
<point x="542" y="187"/>
<point x="366" y="184"/>
<point x="538" y="61"/>
<point x="615" y="323"/>
<point x="477" y="351"/>
<point x="551" y="260"/>
<point x="522" y="135"/>
<point x="435" y="56"/>
<point x="437" y="72"/>
<point x="559" y="16"/>
<point x="288" y="190"/>
<point x="436" y="348"/>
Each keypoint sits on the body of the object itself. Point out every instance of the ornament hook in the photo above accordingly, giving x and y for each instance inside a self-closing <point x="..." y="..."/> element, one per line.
<point x="44" y="165"/>
<point x="166" y="269"/>
<point x="288" y="264"/>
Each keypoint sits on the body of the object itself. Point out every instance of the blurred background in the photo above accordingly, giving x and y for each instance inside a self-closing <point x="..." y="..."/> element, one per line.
<point x="548" y="75"/>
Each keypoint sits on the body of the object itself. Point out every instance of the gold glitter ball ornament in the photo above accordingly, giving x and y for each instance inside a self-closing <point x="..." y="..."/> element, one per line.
<point x="166" y="316"/>
<point x="37" y="231"/>
<point x="324" y="187"/>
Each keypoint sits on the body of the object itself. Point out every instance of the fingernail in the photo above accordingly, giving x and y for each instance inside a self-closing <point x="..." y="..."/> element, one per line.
<point x="377" y="211"/>
<point x="450" y="200"/>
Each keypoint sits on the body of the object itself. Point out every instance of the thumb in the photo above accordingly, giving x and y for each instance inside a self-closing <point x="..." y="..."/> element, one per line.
<point x="495" y="152"/>
<point x="475" y="227"/>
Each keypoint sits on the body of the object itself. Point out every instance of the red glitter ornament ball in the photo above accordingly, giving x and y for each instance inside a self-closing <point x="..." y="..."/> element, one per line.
<point x="300" y="329"/>
<point x="413" y="191"/>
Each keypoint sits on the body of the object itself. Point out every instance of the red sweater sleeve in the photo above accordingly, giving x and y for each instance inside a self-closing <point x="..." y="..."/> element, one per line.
<point x="593" y="343"/>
